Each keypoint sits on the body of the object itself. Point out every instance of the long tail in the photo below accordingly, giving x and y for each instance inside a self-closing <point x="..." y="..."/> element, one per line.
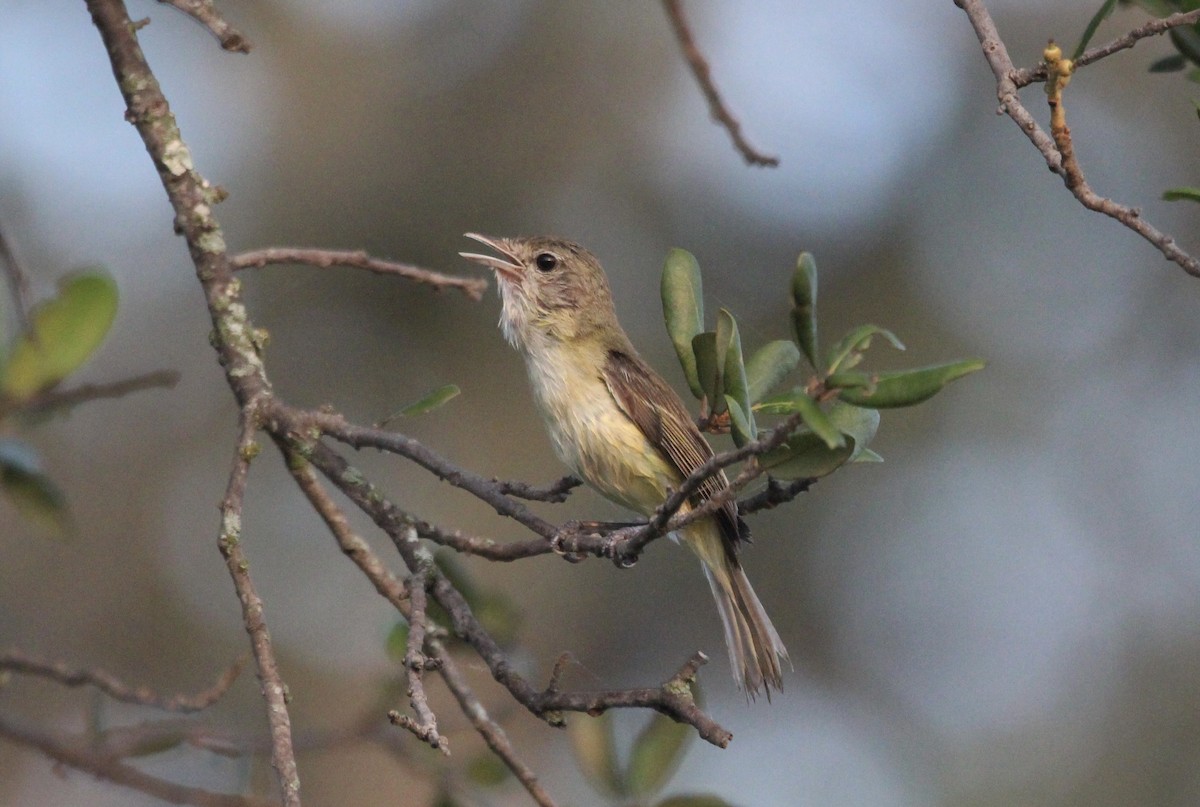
<point x="755" y="649"/>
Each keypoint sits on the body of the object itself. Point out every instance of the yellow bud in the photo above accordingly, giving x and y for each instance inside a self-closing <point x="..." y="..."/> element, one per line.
<point x="1052" y="53"/>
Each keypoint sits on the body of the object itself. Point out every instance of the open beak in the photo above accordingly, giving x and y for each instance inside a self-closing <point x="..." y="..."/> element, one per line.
<point x="509" y="267"/>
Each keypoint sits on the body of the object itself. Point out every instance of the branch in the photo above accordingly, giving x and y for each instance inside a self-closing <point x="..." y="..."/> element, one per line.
<point x="424" y="726"/>
<point x="1155" y="27"/>
<point x="283" y="757"/>
<point x="324" y="258"/>
<point x="397" y="594"/>
<point x="556" y="492"/>
<point x="203" y="12"/>
<point x="24" y="664"/>
<point x="79" y="752"/>
<point x="1010" y="103"/>
<point x="774" y="494"/>
<point x="703" y="73"/>
<point x="546" y="704"/>
<point x="59" y="399"/>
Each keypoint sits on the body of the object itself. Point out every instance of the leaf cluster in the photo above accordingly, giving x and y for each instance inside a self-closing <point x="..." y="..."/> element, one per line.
<point x="838" y="402"/>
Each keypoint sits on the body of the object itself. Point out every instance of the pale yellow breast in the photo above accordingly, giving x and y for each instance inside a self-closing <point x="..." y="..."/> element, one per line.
<point x="590" y="433"/>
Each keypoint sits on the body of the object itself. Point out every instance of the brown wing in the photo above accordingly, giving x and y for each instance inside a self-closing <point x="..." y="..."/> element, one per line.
<point x="660" y="415"/>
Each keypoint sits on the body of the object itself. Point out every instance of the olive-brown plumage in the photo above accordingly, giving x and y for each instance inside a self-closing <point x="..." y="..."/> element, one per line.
<point x="619" y="426"/>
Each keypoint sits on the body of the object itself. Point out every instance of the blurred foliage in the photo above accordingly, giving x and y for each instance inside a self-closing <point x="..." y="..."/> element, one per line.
<point x="63" y="333"/>
<point x="653" y="758"/>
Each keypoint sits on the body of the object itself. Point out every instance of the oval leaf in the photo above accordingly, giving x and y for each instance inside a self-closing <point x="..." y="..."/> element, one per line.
<point x="857" y="423"/>
<point x="708" y="365"/>
<point x="806" y="456"/>
<point x="804" y="306"/>
<point x="818" y="422"/>
<point x="656" y="755"/>
<point x="683" y="310"/>
<point x="735" y="369"/>
<point x="741" y="423"/>
<point x="596" y="752"/>
<point x="768" y="366"/>
<point x="908" y="387"/>
<point x="488" y="770"/>
<point x="31" y="492"/>
<point x="848" y="351"/>
<point x="65" y="331"/>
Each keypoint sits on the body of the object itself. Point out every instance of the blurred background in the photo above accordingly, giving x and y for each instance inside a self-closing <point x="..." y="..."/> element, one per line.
<point x="1007" y="611"/>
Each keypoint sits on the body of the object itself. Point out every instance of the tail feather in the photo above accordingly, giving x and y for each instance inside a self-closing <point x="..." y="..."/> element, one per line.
<point x="755" y="649"/>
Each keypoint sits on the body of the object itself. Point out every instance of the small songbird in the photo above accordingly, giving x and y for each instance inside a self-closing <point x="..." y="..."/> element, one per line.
<point x="619" y="426"/>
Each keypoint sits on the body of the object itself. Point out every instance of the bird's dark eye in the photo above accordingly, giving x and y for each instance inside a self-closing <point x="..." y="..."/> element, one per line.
<point x="546" y="261"/>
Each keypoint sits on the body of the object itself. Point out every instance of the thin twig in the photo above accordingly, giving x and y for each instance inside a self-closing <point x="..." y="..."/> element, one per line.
<point x="77" y="752"/>
<point x="205" y="13"/>
<point x="703" y="73"/>
<point x="424" y="726"/>
<point x="324" y="258"/>
<point x="66" y="398"/>
<point x="18" y="283"/>
<point x="1005" y="72"/>
<point x="283" y="757"/>
<point x="491" y="731"/>
<point x="556" y="492"/>
<point x="774" y="494"/>
<point x="25" y="664"/>
<point x="1155" y="27"/>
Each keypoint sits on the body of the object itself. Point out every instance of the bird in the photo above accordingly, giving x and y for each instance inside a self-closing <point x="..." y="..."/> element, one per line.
<point x="620" y="427"/>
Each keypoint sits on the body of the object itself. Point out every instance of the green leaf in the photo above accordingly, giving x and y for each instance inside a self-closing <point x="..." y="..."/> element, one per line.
<point x="806" y="456"/>
<point x="818" y="422"/>
<point x="656" y="755"/>
<point x="65" y="331"/>
<point x="908" y="387"/>
<point x="804" y="306"/>
<point x="596" y="752"/>
<point x="1182" y="194"/>
<point x="1168" y="64"/>
<point x="725" y="336"/>
<point x="857" y="423"/>
<point x="867" y="455"/>
<point x="683" y="310"/>
<point x="709" y="366"/>
<point x="783" y="403"/>
<point x="1100" y="16"/>
<point x="848" y="351"/>
<point x="768" y="366"/>
<point x="31" y="492"/>
<point x="735" y="385"/>
<point x="741" y="423"/>
<point x="431" y="401"/>
<point x="487" y="770"/>
<point x="694" y="800"/>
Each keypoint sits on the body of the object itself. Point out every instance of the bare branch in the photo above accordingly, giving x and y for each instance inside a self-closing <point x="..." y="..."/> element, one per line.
<point x="491" y="731"/>
<point x="324" y="258"/>
<point x="424" y="726"/>
<point x="25" y="664"/>
<point x="556" y="492"/>
<point x="80" y="753"/>
<point x="1010" y="103"/>
<point x="774" y="494"/>
<point x="66" y="398"/>
<point x="1155" y="27"/>
<point x="283" y="757"/>
<point x="205" y="13"/>
<point x="703" y="73"/>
